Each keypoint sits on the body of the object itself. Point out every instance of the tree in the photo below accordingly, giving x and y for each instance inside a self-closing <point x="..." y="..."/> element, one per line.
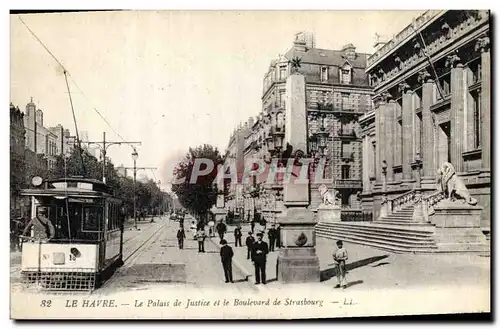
<point x="200" y="196"/>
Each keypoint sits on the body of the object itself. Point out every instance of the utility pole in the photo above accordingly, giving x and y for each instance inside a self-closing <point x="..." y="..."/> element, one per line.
<point x="135" y="169"/>
<point x="103" y="145"/>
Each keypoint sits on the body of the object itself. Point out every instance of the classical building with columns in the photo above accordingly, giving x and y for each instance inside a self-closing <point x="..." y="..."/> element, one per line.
<point x="432" y="105"/>
<point x="337" y="93"/>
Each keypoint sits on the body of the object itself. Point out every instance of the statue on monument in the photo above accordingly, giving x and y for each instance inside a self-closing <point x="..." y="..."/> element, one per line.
<point x="326" y="197"/>
<point x="452" y="185"/>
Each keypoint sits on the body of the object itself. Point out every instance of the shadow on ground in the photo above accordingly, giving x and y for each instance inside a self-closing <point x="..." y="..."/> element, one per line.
<point x="328" y="273"/>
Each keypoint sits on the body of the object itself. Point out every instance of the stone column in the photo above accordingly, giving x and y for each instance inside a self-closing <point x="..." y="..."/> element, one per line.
<point x="379" y="135"/>
<point x="429" y="160"/>
<point x="457" y="112"/>
<point x="366" y="163"/>
<point x="407" y="131"/>
<point x="390" y="134"/>
<point x="484" y="46"/>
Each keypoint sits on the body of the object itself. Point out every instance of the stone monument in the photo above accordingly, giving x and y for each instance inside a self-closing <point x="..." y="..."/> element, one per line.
<point x="329" y="210"/>
<point x="457" y="218"/>
<point x="218" y="209"/>
<point x="297" y="261"/>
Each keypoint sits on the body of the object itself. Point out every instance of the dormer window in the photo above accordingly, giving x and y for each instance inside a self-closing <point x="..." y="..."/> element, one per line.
<point x="324" y="74"/>
<point x="282" y="73"/>
<point x="345" y="74"/>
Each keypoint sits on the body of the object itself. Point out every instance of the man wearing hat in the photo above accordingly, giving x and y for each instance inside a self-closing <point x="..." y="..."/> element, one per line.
<point x="43" y="229"/>
<point x="249" y="243"/>
<point x="226" y="257"/>
<point x="259" y="255"/>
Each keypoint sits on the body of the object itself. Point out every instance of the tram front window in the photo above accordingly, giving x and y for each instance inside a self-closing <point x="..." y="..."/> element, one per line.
<point x="75" y="221"/>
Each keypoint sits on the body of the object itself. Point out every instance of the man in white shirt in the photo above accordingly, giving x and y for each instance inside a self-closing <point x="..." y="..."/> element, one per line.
<point x="340" y="257"/>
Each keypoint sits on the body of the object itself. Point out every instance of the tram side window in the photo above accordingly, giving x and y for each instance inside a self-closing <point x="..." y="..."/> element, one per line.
<point x="92" y="218"/>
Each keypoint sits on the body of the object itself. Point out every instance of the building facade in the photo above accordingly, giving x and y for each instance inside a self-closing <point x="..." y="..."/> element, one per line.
<point x="432" y="105"/>
<point x="337" y="94"/>
<point x="39" y="139"/>
<point x="17" y="160"/>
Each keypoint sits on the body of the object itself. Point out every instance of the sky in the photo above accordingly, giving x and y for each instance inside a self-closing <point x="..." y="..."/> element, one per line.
<point x="170" y="79"/>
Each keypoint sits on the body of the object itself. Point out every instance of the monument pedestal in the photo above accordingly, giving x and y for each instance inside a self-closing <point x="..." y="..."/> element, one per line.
<point x="297" y="262"/>
<point x="220" y="214"/>
<point x="458" y="227"/>
<point x="329" y="214"/>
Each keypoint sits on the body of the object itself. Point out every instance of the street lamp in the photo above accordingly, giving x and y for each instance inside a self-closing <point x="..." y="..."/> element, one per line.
<point x="135" y="156"/>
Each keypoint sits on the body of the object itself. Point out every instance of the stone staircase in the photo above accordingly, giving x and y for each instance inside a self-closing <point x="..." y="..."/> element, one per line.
<point x="396" y="233"/>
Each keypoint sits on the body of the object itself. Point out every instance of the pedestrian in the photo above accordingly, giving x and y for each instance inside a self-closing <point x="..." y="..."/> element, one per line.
<point x="271" y="234"/>
<point x="200" y="236"/>
<point x="259" y="255"/>
<point x="249" y="243"/>
<point x="278" y="236"/>
<point x="211" y="228"/>
<point x="181" y="235"/>
<point x="340" y="256"/>
<point x="43" y="229"/>
<point x="237" y="236"/>
<point x="252" y="226"/>
<point x="221" y="229"/>
<point x="226" y="257"/>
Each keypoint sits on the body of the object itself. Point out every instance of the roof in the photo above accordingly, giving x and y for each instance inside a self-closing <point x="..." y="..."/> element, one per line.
<point x="327" y="57"/>
<point x="76" y="179"/>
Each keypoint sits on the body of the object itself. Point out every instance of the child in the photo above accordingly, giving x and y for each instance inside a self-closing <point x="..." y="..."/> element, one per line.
<point x="340" y="256"/>
<point x="200" y="236"/>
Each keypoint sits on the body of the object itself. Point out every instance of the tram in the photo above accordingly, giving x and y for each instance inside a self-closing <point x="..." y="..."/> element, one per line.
<point x="85" y="241"/>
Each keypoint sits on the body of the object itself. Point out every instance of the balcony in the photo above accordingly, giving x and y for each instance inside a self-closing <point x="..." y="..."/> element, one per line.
<point x="348" y="183"/>
<point x="346" y="133"/>
<point x="342" y="108"/>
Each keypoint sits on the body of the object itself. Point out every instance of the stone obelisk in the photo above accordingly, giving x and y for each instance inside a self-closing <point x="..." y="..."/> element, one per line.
<point x="297" y="261"/>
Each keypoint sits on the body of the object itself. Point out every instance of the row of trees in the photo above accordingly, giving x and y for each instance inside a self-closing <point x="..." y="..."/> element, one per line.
<point x="149" y="197"/>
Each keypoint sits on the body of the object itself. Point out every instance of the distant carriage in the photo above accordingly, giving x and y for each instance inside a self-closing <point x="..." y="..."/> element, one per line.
<point x="88" y="243"/>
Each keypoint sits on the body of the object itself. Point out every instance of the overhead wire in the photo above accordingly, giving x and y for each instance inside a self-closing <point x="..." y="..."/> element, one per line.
<point x="67" y="73"/>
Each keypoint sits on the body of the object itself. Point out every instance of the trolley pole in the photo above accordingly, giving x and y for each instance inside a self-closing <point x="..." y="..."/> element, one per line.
<point x="103" y="145"/>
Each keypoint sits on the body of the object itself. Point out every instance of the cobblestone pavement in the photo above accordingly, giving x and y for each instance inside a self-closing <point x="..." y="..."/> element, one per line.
<point x="161" y="262"/>
<point x="370" y="268"/>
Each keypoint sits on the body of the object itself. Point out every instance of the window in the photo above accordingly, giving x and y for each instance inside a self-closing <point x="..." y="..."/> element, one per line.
<point x="91" y="219"/>
<point x="345" y="75"/>
<point x="476" y="96"/>
<point x="345" y="101"/>
<point x="345" y="197"/>
<point x="346" y="150"/>
<point x="346" y="174"/>
<point x="324" y="74"/>
<point x="282" y="74"/>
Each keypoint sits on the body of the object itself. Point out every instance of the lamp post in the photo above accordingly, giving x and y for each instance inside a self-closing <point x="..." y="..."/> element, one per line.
<point x="383" y="210"/>
<point x="418" y="214"/>
<point x="135" y="156"/>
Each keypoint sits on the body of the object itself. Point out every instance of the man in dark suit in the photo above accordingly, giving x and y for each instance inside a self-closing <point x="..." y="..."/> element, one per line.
<point x="259" y="255"/>
<point x="221" y="229"/>
<point x="237" y="236"/>
<point x="181" y="235"/>
<point x="226" y="257"/>
<point x="271" y="233"/>
<point x="249" y="243"/>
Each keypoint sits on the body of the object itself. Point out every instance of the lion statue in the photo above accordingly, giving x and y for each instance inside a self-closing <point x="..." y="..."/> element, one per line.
<point x="452" y="185"/>
<point x="326" y="196"/>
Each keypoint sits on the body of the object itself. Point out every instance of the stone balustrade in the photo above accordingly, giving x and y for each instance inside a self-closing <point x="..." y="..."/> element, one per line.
<point x="429" y="201"/>
<point x="400" y="201"/>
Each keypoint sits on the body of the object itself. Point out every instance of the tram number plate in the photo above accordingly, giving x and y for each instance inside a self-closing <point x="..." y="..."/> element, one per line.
<point x="72" y="257"/>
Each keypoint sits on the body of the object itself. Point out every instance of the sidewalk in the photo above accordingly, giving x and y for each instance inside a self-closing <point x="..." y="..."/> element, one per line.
<point x="370" y="268"/>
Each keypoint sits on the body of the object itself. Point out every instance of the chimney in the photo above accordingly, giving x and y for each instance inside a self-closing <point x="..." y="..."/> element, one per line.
<point x="39" y="117"/>
<point x="349" y="51"/>
<point x="299" y="45"/>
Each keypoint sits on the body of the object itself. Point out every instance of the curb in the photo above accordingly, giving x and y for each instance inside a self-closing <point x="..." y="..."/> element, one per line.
<point x="242" y="269"/>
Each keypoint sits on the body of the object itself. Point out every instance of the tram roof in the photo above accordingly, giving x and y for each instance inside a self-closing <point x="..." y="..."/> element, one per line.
<point x="71" y="186"/>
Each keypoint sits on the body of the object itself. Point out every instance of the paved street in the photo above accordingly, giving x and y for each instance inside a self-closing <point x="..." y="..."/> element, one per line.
<point x="152" y="258"/>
